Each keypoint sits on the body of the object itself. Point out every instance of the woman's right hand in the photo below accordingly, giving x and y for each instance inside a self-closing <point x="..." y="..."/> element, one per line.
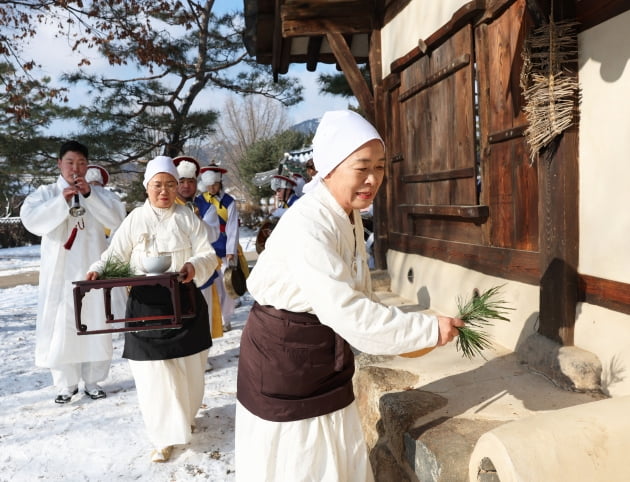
<point x="91" y="276"/>
<point x="448" y="329"/>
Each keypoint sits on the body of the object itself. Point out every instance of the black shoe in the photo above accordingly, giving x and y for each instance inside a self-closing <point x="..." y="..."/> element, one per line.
<point x="96" y="393"/>
<point x="65" y="397"/>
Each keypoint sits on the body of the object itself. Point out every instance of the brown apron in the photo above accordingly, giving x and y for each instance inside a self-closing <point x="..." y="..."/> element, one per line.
<point x="291" y="367"/>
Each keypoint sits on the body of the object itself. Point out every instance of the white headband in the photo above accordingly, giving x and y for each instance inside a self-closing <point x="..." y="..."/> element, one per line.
<point x="158" y="165"/>
<point x="187" y="170"/>
<point x="210" y="177"/>
<point x="339" y="134"/>
<point x="93" y="174"/>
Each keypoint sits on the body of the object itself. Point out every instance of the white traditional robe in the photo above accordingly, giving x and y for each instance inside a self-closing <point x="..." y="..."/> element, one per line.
<point x="315" y="261"/>
<point x="170" y="391"/>
<point x="179" y="232"/>
<point x="45" y="213"/>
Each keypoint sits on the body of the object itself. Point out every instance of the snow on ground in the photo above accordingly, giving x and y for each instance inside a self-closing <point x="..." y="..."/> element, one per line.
<point x="17" y="260"/>
<point x="101" y="440"/>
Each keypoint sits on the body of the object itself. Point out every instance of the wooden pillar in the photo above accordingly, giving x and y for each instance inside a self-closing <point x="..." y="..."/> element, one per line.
<point x="559" y="229"/>
<point x="353" y="75"/>
<point x="559" y="243"/>
<point x="380" y="118"/>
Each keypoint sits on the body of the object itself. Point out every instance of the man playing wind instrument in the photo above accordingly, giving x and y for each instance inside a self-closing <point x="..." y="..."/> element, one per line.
<point x="69" y="245"/>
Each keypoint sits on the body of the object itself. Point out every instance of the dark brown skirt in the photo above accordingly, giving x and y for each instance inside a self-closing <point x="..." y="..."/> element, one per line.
<point x="291" y="367"/>
<point x="165" y="344"/>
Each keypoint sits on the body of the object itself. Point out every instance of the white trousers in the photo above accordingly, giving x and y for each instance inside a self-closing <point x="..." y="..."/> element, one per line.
<point x="170" y="393"/>
<point x="69" y="375"/>
<point x="329" y="448"/>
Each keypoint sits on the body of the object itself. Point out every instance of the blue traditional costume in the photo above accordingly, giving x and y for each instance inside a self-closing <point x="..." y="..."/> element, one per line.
<point x="214" y="201"/>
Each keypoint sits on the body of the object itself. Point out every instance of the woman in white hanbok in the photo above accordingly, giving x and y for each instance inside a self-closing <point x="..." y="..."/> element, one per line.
<point x="167" y="365"/>
<point x="296" y="418"/>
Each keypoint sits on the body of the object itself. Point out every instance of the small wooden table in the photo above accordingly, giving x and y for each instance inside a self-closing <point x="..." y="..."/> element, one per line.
<point x="168" y="280"/>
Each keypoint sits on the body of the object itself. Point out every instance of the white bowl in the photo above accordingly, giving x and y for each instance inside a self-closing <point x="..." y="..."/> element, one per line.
<point x="156" y="264"/>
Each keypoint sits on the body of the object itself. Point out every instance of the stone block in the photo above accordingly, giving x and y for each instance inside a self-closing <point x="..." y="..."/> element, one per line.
<point x="568" y="367"/>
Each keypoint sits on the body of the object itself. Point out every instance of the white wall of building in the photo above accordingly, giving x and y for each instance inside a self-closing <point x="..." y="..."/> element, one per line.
<point x="605" y="150"/>
<point x="605" y="191"/>
<point x="421" y="18"/>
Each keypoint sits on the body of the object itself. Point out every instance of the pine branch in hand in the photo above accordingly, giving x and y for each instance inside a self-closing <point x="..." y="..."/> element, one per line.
<point x="478" y="313"/>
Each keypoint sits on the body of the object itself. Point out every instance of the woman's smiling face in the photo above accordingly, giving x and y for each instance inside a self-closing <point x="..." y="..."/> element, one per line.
<point x="162" y="190"/>
<point x="355" y="182"/>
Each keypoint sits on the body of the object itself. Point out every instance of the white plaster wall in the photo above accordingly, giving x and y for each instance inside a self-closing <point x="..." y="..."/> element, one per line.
<point x="604" y="153"/>
<point x="604" y="150"/>
<point x="418" y="20"/>
<point x="606" y="333"/>
<point x="437" y="286"/>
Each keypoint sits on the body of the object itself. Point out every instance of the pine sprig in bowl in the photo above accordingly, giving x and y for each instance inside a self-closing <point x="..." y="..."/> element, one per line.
<point x="479" y="312"/>
<point x="116" y="268"/>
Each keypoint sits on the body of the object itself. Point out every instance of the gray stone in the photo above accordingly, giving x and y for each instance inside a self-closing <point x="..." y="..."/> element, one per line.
<point x="363" y="359"/>
<point x="439" y="451"/>
<point x="385" y="466"/>
<point x="370" y="383"/>
<point x="487" y="472"/>
<point x="568" y="367"/>
<point x="400" y="410"/>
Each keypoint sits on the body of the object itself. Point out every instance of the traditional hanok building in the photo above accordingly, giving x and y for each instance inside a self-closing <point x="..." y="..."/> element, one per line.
<point x="507" y="124"/>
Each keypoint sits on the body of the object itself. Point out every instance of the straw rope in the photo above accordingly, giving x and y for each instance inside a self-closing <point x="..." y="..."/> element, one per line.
<point x="550" y="86"/>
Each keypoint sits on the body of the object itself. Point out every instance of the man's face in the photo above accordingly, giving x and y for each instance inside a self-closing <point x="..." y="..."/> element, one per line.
<point x="214" y="189"/>
<point x="72" y="164"/>
<point x="187" y="187"/>
<point x="283" y="194"/>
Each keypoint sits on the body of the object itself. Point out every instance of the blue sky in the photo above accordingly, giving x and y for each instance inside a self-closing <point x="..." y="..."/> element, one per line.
<point x="56" y="57"/>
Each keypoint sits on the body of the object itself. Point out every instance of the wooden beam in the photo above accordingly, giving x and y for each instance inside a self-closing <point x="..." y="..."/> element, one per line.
<point x="353" y="75"/>
<point x="612" y="295"/>
<point x="593" y="12"/>
<point x="285" y="55"/>
<point x="309" y="10"/>
<point x="446" y="210"/>
<point x="276" y="49"/>
<point x="463" y="173"/>
<point x="512" y="264"/>
<point x="316" y="18"/>
<point x="320" y="26"/>
<point x="312" y="52"/>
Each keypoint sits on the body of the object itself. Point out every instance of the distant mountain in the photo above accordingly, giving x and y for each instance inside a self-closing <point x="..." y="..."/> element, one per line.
<point x="306" y="127"/>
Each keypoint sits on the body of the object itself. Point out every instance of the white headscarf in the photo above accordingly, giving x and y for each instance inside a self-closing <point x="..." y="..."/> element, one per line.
<point x="208" y="178"/>
<point x="187" y="170"/>
<point x="157" y="165"/>
<point x="339" y="134"/>
<point x="93" y="174"/>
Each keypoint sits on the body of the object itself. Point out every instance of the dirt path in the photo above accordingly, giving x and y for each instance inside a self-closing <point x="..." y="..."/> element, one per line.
<point x="25" y="278"/>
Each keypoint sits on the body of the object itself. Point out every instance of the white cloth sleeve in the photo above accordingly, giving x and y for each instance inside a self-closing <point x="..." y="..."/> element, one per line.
<point x="231" y="230"/>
